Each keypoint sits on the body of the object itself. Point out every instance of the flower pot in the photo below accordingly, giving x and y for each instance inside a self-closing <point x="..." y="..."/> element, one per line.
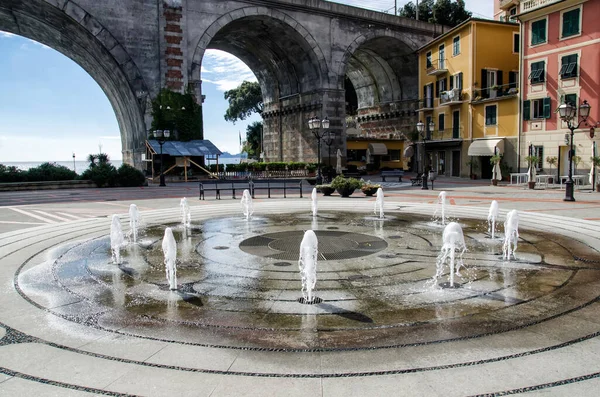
<point x="550" y="179"/>
<point x="531" y="185"/>
<point x="326" y="190"/>
<point x="495" y="182"/>
<point x="345" y="192"/>
<point x="370" y="192"/>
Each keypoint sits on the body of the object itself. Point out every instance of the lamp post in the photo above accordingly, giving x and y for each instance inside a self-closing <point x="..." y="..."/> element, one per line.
<point x="421" y="130"/>
<point x="329" y="141"/>
<point x="74" y="169"/>
<point x="314" y="124"/>
<point x="567" y="114"/>
<point x="161" y="136"/>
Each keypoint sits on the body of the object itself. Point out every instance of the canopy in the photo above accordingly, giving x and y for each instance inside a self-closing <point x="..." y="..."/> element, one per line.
<point x="378" y="149"/>
<point x="485" y="147"/>
<point x="186" y="149"/>
<point x="409" y="151"/>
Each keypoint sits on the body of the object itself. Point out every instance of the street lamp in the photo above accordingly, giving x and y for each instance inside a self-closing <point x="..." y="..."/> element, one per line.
<point x="161" y="136"/>
<point x="421" y="130"/>
<point x="314" y="124"/>
<point x="74" y="169"/>
<point x="329" y="138"/>
<point x="567" y="113"/>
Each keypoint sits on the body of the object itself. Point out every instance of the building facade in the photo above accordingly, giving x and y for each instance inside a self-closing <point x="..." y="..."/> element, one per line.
<point x="469" y="78"/>
<point x="560" y="64"/>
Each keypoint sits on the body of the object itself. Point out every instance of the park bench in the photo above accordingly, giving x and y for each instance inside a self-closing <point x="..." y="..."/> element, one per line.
<point x="276" y="184"/>
<point x="219" y="185"/>
<point x="394" y="173"/>
<point x="417" y="180"/>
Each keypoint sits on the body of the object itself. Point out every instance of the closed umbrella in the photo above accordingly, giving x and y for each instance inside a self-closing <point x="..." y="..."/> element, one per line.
<point x="368" y="156"/>
<point x="338" y="164"/>
<point x="496" y="172"/>
<point x="593" y="171"/>
<point x="531" y="174"/>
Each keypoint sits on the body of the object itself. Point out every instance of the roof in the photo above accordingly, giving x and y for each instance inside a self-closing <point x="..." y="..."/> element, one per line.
<point x="460" y="26"/>
<point x="197" y="147"/>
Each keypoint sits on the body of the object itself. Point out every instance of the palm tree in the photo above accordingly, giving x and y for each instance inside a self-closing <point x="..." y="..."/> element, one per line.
<point x="102" y="158"/>
<point x="92" y="160"/>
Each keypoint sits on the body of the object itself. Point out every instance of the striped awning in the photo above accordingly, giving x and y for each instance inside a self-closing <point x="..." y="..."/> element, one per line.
<point x="486" y="147"/>
<point x="378" y="149"/>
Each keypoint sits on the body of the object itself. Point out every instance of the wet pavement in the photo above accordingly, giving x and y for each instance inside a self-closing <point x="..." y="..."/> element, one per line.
<point x="71" y="322"/>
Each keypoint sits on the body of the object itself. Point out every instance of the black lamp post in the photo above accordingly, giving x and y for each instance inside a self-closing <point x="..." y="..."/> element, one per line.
<point x="421" y="130"/>
<point x="161" y="136"/>
<point x="314" y="124"/>
<point x="329" y="141"/>
<point x="567" y="113"/>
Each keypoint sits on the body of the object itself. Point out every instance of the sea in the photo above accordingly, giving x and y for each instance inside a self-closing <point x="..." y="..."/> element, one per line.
<point x="80" y="166"/>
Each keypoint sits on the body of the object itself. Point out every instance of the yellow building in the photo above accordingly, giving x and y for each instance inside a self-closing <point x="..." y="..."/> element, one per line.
<point x="469" y="104"/>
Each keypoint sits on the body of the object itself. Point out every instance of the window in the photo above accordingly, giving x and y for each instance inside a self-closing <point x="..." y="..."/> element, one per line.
<point x="428" y="96"/>
<point x="356" y="154"/>
<point x="491" y="115"/>
<point x="536" y="109"/>
<point x="456" y="46"/>
<point x="394" y="154"/>
<point x="441" y="57"/>
<point x="442" y="85"/>
<point x="538" y="32"/>
<point x="456" y="124"/>
<point x="570" y="23"/>
<point x="428" y="120"/>
<point x="537" y="74"/>
<point x="568" y="67"/>
<point x="538" y="151"/>
<point x="441" y="122"/>
<point x="516" y="42"/>
<point x="513" y="79"/>
<point x="571" y="98"/>
<point x="456" y="81"/>
<point x="428" y="58"/>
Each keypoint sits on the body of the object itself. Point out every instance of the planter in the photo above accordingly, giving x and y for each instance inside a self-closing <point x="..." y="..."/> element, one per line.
<point x="370" y="192"/>
<point x="550" y="179"/>
<point x="326" y="190"/>
<point x="345" y="192"/>
<point x="531" y="185"/>
<point x="473" y="176"/>
<point x="495" y="182"/>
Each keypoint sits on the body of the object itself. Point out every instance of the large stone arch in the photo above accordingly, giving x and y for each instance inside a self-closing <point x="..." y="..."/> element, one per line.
<point x="69" y="29"/>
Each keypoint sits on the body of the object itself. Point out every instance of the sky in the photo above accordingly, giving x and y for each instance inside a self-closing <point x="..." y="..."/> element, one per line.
<point x="50" y="108"/>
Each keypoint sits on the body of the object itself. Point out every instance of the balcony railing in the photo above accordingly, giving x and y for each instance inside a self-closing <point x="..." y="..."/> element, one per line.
<point x="530" y="5"/>
<point x="446" y="134"/>
<point x="506" y="90"/>
<point x="451" y="97"/>
<point x="506" y="4"/>
<point x="426" y="103"/>
<point x="437" y="67"/>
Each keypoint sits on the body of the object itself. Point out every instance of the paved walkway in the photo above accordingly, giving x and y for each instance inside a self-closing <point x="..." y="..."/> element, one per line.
<point x="545" y="343"/>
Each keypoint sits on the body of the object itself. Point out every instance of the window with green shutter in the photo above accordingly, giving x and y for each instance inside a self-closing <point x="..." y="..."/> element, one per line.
<point x="547" y="109"/>
<point x="570" y="98"/>
<point x="537" y="74"/>
<point x="428" y="58"/>
<point x="570" y="23"/>
<point x="456" y="46"/>
<point x="526" y="110"/>
<point x="538" y="32"/>
<point x="568" y="67"/>
<point x="491" y="115"/>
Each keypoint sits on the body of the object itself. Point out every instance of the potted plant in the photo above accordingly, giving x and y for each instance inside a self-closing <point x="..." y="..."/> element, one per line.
<point x="552" y="162"/>
<point x="326" y="189"/>
<point x="531" y="162"/>
<point x="576" y="161"/>
<point x="596" y="163"/>
<point x="345" y="186"/>
<point x="369" y="189"/>
<point x="473" y="166"/>
<point x="495" y="159"/>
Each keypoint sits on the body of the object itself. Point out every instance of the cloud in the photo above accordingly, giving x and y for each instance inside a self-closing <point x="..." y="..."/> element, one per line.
<point x="224" y="70"/>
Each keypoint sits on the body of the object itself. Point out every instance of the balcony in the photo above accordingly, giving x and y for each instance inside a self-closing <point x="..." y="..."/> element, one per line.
<point x="436" y="68"/>
<point x="426" y="104"/>
<point x="506" y="4"/>
<point x="495" y="93"/>
<point x="452" y="97"/>
<point x="530" y="5"/>
<point x="446" y="134"/>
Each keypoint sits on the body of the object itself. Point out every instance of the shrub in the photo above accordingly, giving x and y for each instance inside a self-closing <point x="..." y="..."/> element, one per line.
<point x="339" y="182"/>
<point x="11" y="174"/>
<point x="128" y="176"/>
<point x="213" y="167"/>
<point x="101" y="174"/>
<point x="50" y="172"/>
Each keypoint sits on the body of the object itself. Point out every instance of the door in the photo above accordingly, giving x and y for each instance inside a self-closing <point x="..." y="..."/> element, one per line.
<point x="441" y="164"/>
<point x="456" y="163"/>
<point x="486" y="167"/>
<point x="456" y="124"/>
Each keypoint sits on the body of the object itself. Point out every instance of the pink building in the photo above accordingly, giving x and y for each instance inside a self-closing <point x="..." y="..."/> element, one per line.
<point x="560" y="47"/>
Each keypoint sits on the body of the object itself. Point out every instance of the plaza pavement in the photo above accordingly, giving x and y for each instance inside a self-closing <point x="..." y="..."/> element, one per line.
<point x="47" y="355"/>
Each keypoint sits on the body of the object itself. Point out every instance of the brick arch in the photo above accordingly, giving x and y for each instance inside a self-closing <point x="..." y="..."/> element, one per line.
<point x="68" y="28"/>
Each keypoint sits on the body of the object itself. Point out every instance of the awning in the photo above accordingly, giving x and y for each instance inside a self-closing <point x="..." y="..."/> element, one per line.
<point x="409" y="151"/>
<point x="486" y="147"/>
<point x="378" y="149"/>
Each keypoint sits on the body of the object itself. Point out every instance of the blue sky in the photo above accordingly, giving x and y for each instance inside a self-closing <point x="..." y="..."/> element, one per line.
<point x="50" y="108"/>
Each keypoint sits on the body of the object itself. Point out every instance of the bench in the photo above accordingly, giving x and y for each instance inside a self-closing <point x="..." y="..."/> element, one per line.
<point x="398" y="173"/>
<point x="276" y="184"/>
<point x="417" y="180"/>
<point x="218" y="185"/>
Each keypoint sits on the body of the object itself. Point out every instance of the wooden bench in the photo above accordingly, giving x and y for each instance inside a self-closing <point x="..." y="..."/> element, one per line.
<point x="398" y="173"/>
<point x="417" y="180"/>
<point x="276" y="184"/>
<point x="218" y="185"/>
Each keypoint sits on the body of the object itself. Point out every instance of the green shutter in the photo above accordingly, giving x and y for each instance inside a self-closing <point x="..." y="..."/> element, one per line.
<point x="526" y="110"/>
<point x="547" y="110"/>
<point x="460" y="80"/>
<point x="570" y="23"/>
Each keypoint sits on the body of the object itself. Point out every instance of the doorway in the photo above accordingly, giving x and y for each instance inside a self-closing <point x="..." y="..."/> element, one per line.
<point x="441" y="163"/>
<point x="456" y="163"/>
<point x="486" y="167"/>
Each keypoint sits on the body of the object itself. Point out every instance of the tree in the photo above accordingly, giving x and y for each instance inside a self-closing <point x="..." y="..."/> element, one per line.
<point x="253" y="139"/>
<point x="444" y="12"/>
<point x="243" y="101"/>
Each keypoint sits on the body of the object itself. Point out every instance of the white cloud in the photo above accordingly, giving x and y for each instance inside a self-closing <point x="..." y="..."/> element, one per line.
<point x="224" y="70"/>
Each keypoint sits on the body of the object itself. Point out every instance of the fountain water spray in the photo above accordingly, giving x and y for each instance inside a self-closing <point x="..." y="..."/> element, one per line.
<point x="441" y="207"/>
<point x="247" y="207"/>
<point x="134" y="221"/>
<point x="169" y="247"/>
<point x="309" y="250"/>
<point x="453" y="248"/>
<point x="492" y="216"/>
<point x="116" y="239"/>
<point x="313" y="197"/>
<point x="186" y="216"/>
<point x="511" y="234"/>
<point x="379" y="203"/>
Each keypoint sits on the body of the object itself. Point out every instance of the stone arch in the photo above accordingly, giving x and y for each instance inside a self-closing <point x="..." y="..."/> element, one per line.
<point x="277" y="73"/>
<point x="69" y="29"/>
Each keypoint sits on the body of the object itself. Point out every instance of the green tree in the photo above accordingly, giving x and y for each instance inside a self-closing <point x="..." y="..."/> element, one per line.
<point x="178" y="113"/>
<point x="253" y="137"/>
<point x="444" y="12"/>
<point x="425" y="10"/>
<point x="243" y="101"/>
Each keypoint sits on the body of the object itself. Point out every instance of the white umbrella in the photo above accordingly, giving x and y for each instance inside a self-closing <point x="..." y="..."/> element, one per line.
<point x="368" y="156"/>
<point x="496" y="172"/>
<point x="593" y="171"/>
<point x="338" y="164"/>
<point x="531" y="173"/>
